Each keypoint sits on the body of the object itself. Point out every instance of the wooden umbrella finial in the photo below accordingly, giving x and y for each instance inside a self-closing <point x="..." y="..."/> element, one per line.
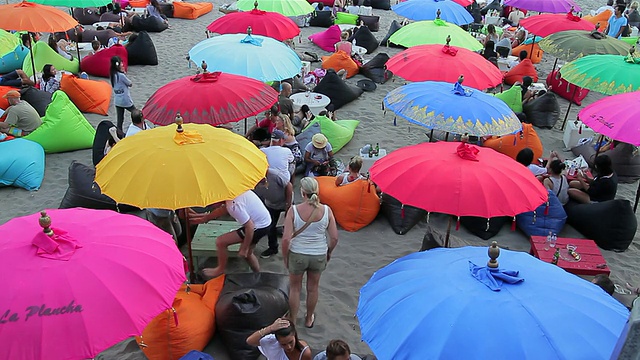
<point x="494" y="252"/>
<point x="45" y="222"/>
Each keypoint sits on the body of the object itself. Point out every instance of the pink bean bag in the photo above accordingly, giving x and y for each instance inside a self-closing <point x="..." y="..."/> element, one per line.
<point x="99" y="63"/>
<point x="327" y="39"/>
<point x="565" y="89"/>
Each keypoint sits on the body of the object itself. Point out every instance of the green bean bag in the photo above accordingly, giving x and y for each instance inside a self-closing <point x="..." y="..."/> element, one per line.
<point x="44" y="55"/>
<point x="338" y="132"/>
<point x="63" y="128"/>
<point x="513" y="98"/>
<point x="631" y="40"/>
<point x="346" y="18"/>
<point x="8" y="42"/>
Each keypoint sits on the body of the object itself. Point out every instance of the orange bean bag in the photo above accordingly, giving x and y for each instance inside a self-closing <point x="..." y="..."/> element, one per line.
<point x="525" y="68"/>
<point x="354" y="205"/>
<point x="139" y="3"/>
<point x="340" y="60"/>
<point x="511" y="145"/>
<point x="173" y="334"/>
<point x="191" y="11"/>
<point x="89" y="96"/>
<point x="534" y="55"/>
<point x="602" y="18"/>
<point x="4" y="104"/>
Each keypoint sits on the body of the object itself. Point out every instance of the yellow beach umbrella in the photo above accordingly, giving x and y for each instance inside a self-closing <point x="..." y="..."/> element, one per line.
<point x="167" y="169"/>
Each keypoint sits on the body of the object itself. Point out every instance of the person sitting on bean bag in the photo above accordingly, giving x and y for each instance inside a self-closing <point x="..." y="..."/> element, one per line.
<point x="21" y="118"/>
<point x="318" y="155"/>
<point x="16" y="78"/>
<point x="49" y="83"/>
<point x="602" y="188"/>
<point x="353" y="174"/>
<point x="337" y="349"/>
<point x="525" y="157"/>
<point x="58" y="46"/>
<point x="153" y="9"/>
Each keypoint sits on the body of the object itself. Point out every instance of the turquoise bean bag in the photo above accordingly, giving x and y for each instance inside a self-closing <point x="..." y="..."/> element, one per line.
<point x="63" y="128"/>
<point x="338" y="132"/>
<point x="22" y="164"/>
<point x="44" y="55"/>
<point x="13" y="60"/>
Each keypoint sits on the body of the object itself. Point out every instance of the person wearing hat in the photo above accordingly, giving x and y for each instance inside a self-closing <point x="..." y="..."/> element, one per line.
<point x="21" y="117"/>
<point x="318" y="155"/>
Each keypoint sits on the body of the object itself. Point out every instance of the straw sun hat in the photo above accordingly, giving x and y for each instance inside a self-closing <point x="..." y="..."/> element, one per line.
<point x="319" y="141"/>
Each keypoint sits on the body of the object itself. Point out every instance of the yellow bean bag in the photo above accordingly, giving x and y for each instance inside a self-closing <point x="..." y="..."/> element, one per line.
<point x="89" y="95"/>
<point x="602" y="18"/>
<point x="340" y="60"/>
<point x="511" y="145"/>
<point x="173" y="334"/>
<point x="534" y="53"/>
<point x="44" y="55"/>
<point x="354" y="205"/>
<point x="184" y="10"/>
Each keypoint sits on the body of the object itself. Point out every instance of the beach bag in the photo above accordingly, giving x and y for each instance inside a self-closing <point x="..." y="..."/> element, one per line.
<point x="376" y="70"/>
<point x="370" y="21"/>
<point x="354" y="205"/>
<point x="545" y="218"/>
<point x="21" y="164"/>
<point x="611" y="224"/>
<point x="321" y="19"/>
<point x="249" y="302"/>
<point x="395" y="26"/>
<point x="524" y="68"/>
<point x="88" y="95"/>
<point x="327" y="39"/>
<point x="141" y="50"/>
<point x="38" y="99"/>
<point x="340" y="60"/>
<point x="401" y="218"/>
<point x="543" y="111"/>
<point x="565" y="89"/>
<point x="337" y="90"/>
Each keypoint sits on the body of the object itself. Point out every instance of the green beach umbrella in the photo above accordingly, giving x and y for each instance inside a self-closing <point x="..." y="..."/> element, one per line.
<point x="434" y="32"/>
<point x="574" y="44"/>
<point x="607" y="74"/>
<point x="284" y="7"/>
<point x="73" y="3"/>
<point x="8" y="42"/>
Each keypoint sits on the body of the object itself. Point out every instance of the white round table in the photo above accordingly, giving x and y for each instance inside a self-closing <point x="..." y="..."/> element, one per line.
<point x="316" y="102"/>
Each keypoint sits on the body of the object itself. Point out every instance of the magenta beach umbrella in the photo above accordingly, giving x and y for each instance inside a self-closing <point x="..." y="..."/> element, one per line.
<point x="545" y="6"/>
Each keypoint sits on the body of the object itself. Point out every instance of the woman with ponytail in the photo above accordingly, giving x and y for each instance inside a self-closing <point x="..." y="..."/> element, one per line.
<point x="305" y="247"/>
<point x="121" y="84"/>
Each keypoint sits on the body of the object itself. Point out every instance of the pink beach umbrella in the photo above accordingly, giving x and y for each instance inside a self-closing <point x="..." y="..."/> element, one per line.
<point x="614" y="116"/>
<point x="92" y="278"/>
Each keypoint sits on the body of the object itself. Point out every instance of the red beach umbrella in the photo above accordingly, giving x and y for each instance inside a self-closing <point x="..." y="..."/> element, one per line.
<point x="547" y="24"/>
<point x="458" y="179"/>
<point x="209" y="98"/>
<point x="445" y="63"/>
<point x="265" y="23"/>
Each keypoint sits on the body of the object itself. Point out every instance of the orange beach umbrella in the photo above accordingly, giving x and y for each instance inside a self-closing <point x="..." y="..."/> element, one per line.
<point x="26" y="16"/>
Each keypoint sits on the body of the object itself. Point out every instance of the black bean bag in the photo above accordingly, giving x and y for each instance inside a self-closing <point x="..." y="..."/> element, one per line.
<point x="166" y="9"/>
<point x="125" y="350"/>
<point x="401" y="219"/>
<point x="37" y="98"/>
<point x="86" y="16"/>
<point x="611" y="224"/>
<point x="149" y="23"/>
<point x="337" y="90"/>
<point x="395" y="26"/>
<point x="375" y="69"/>
<point x="87" y="35"/>
<point x="543" y="112"/>
<point x="82" y="192"/>
<point x="110" y="17"/>
<point x="370" y="21"/>
<point x="478" y="226"/>
<point x="624" y="159"/>
<point x="381" y="4"/>
<point x="100" y="140"/>
<point x="321" y="19"/>
<point x="494" y="5"/>
<point x="365" y="38"/>
<point x="247" y="303"/>
<point x="141" y="50"/>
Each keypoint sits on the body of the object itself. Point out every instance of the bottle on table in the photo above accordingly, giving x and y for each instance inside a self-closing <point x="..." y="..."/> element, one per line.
<point x="377" y="149"/>
<point x="556" y="256"/>
<point x="554" y="239"/>
<point x="547" y="243"/>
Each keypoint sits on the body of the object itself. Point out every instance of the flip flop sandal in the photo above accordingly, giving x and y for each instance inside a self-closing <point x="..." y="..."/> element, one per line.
<point x="313" y="321"/>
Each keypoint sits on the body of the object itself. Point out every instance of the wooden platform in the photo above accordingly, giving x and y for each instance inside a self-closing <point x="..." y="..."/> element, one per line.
<point x="204" y="240"/>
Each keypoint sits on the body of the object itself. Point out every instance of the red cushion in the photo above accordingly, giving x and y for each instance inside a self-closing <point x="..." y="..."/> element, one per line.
<point x="99" y="63"/>
<point x="565" y="89"/>
<point x="525" y="68"/>
<point x="327" y="39"/>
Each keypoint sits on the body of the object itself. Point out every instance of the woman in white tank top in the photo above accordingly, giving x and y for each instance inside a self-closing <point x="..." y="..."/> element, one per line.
<point x="305" y="247"/>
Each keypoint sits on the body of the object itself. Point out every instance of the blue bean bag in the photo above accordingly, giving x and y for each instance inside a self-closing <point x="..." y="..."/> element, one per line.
<point x="542" y="220"/>
<point x="13" y="60"/>
<point x="21" y="164"/>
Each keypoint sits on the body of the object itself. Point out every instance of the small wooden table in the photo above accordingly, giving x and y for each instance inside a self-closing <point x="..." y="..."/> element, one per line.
<point x="204" y="240"/>
<point x="591" y="261"/>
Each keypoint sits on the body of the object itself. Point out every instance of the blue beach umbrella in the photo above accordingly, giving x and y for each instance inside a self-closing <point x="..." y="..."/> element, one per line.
<point x="450" y="304"/>
<point x="253" y="56"/>
<point x="452" y="108"/>
<point x="419" y="10"/>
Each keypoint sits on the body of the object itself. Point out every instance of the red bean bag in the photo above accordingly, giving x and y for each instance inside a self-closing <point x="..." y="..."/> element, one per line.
<point x="191" y="11"/>
<point x="327" y="39"/>
<point x="173" y="334"/>
<point x="340" y="60"/>
<point x="99" y="63"/>
<point x="602" y="18"/>
<point x="511" y="145"/>
<point x="533" y="53"/>
<point x="566" y="89"/>
<point x="525" y="68"/>
<point x="354" y="205"/>
<point x="88" y="95"/>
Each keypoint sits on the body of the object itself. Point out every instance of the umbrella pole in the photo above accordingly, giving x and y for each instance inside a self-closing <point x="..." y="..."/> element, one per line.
<point x="564" y="122"/>
<point x="635" y="205"/>
<point x="446" y="238"/>
<point x="554" y="65"/>
<point x="33" y="63"/>
<point x="245" y="126"/>
<point x="431" y="136"/>
<point x="191" y="268"/>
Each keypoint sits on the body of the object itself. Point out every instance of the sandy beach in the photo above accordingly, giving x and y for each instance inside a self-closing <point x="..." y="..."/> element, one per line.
<point x="359" y="254"/>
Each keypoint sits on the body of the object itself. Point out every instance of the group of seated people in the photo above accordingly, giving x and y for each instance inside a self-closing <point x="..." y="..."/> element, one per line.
<point x="582" y="189"/>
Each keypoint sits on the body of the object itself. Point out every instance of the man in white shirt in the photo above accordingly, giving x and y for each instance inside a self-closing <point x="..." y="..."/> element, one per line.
<point x="249" y="211"/>
<point x="515" y="16"/>
<point x="137" y="123"/>
<point x="279" y="157"/>
<point x="602" y="9"/>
